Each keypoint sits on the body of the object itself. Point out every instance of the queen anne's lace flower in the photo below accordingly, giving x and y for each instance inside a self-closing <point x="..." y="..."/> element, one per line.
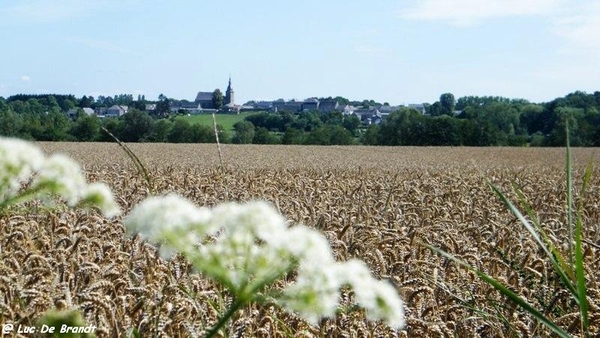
<point x="379" y="298"/>
<point x="382" y="303"/>
<point x="26" y="172"/>
<point x="18" y="161"/>
<point x="157" y="216"/>
<point x="308" y="245"/>
<point x="63" y="177"/>
<point x="247" y="245"/>
<point x="99" y="194"/>
<point x="315" y="293"/>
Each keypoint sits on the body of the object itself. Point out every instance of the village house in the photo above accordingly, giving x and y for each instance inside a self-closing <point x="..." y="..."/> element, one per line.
<point x="328" y="105"/>
<point x="116" y="111"/>
<point x="188" y="107"/>
<point x="72" y="113"/>
<point x="310" y="104"/>
<point x="368" y="116"/>
<point x="419" y="107"/>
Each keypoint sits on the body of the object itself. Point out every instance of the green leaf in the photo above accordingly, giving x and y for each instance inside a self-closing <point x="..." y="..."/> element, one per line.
<point x="561" y="272"/>
<point x="579" y="268"/>
<point x="569" y="171"/>
<point x="534" y="219"/>
<point x="506" y="292"/>
<point x="133" y="333"/>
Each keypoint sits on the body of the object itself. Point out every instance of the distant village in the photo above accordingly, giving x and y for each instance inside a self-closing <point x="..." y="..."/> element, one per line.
<point x="203" y="103"/>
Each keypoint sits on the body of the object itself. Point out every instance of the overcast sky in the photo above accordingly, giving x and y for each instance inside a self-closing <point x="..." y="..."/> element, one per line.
<point x="391" y="51"/>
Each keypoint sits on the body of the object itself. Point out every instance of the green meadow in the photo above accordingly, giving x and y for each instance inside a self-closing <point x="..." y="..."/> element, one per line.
<point x="225" y="120"/>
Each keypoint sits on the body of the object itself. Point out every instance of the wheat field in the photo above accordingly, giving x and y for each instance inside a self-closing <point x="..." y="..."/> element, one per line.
<point x="375" y="204"/>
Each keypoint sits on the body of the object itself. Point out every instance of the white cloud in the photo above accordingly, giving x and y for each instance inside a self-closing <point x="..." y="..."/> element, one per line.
<point x="25" y="78"/>
<point x="468" y="12"/>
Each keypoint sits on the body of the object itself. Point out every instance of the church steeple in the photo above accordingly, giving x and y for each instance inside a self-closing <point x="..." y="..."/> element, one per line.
<point x="229" y="93"/>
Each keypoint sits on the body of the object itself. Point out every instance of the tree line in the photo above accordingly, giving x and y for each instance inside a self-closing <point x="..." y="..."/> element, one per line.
<point x="468" y="121"/>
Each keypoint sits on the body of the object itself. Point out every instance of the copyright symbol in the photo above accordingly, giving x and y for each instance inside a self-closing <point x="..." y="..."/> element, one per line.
<point x="7" y="328"/>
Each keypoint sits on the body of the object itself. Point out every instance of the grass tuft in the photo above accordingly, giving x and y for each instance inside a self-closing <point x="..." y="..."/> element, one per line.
<point x="571" y="271"/>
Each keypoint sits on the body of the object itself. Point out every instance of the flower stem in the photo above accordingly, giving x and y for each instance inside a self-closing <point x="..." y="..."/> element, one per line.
<point x="238" y="303"/>
<point x="22" y="197"/>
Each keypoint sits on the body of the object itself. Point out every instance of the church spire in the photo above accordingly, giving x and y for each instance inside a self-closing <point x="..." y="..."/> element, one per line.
<point x="229" y="93"/>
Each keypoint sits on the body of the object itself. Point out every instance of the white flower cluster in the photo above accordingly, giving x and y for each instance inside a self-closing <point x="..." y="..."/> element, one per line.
<point x="249" y="246"/>
<point x="18" y="161"/>
<point x="25" y="173"/>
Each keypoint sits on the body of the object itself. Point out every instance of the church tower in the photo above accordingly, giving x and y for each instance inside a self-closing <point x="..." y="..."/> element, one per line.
<point x="229" y="99"/>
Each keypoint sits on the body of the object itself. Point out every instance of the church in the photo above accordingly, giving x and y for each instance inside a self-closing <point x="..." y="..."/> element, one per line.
<point x="204" y="99"/>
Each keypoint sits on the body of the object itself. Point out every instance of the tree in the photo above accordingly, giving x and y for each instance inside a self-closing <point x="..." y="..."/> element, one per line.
<point x="399" y="128"/>
<point x="447" y="103"/>
<point x="114" y="126"/>
<point x="370" y="137"/>
<point x="181" y="131"/>
<point x="86" y="101"/>
<point x="201" y="134"/>
<point x="244" y="132"/>
<point x="160" y="131"/>
<point x="55" y="126"/>
<point x="86" y="128"/>
<point x="293" y="136"/>
<point x="263" y="136"/>
<point x="217" y="99"/>
<point x="435" y="109"/>
<point x="352" y="123"/>
<point x="10" y="122"/>
<point x="443" y="131"/>
<point x="137" y="126"/>
<point x="318" y="136"/>
<point x="340" y="135"/>
<point x="163" y="107"/>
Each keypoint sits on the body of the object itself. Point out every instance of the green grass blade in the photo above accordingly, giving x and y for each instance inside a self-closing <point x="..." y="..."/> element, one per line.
<point x="534" y="219"/>
<point x="569" y="172"/>
<point x="563" y="275"/>
<point x="579" y="268"/>
<point x="506" y="292"/>
<point x="141" y="169"/>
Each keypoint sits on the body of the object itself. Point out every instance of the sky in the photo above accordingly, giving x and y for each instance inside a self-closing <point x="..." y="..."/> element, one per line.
<point x="400" y="52"/>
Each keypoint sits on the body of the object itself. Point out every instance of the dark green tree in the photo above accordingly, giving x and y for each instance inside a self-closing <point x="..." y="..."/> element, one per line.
<point x="163" y="107"/>
<point x="114" y="126"/>
<point x="318" y="136"/>
<point x="55" y="126"/>
<point x="217" y="99"/>
<point x="293" y="136"/>
<point x="201" y="134"/>
<point x="447" y="103"/>
<point x="263" y="136"/>
<point x="86" y="128"/>
<point x="371" y="136"/>
<point x="443" y="131"/>
<point x="86" y="102"/>
<point x="181" y="131"/>
<point x="137" y="126"/>
<point x="10" y="122"/>
<point x="352" y="123"/>
<point x="244" y="132"/>
<point x="160" y="131"/>
<point x="339" y="135"/>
